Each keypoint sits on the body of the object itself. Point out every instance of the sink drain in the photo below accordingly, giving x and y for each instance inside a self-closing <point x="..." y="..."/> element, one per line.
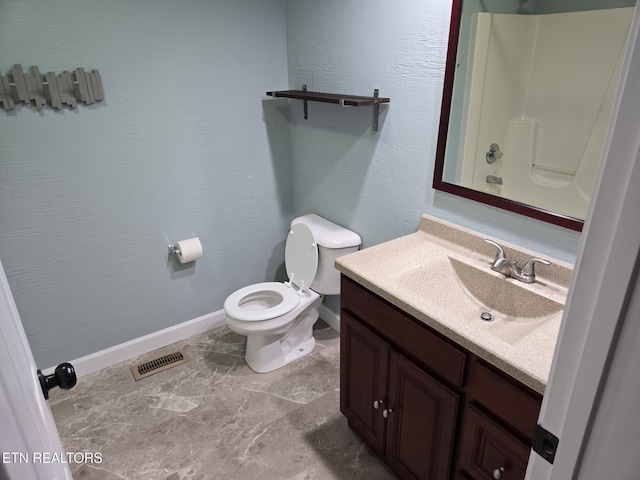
<point x="486" y="316"/>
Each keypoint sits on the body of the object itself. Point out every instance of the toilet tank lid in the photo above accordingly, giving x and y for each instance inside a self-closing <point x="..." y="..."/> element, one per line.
<point x="327" y="234"/>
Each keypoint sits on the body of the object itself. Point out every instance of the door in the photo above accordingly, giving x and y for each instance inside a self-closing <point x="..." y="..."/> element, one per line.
<point x="29" y="440"/>
<point x="364" y="361"/>
<point x="596" y="311"/>
<point x="421" y="422"/>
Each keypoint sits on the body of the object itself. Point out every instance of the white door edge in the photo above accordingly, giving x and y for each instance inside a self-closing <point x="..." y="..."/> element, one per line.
<point x="29" y="443"/>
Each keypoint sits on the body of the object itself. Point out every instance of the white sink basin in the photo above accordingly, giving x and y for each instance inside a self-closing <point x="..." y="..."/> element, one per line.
<point x="516" y="309"/>
<point x="502" y="295"/>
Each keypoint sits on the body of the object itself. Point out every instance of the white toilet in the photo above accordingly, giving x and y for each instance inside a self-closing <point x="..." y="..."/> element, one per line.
<point x="278" y="318"/>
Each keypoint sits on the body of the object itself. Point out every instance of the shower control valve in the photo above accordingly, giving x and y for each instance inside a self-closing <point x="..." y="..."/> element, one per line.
<point x="493" y="153"/>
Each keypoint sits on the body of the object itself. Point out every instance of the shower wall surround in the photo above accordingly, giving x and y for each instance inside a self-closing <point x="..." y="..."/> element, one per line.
<point x="550" y="119"/>
<point x="182" y="146"/>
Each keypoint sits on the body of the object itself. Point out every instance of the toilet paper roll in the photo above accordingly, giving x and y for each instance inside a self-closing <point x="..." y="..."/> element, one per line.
<point x="189" y="250"/>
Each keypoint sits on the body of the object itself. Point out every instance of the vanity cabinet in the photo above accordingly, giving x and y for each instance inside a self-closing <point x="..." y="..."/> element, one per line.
<point x="405" y="415"/>
<point x="428" y="407"/>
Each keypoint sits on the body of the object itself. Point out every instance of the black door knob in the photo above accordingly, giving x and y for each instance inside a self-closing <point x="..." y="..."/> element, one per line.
<point x="64" y="377"/>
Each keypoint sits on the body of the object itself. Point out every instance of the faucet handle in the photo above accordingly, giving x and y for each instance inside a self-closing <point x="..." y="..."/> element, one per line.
<point x="499" y="254"/>
<point x="529" y="267"/>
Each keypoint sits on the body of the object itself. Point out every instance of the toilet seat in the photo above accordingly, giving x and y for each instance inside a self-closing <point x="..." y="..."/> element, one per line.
<point x="261" y="301"/>
<point x="268" y="300"/>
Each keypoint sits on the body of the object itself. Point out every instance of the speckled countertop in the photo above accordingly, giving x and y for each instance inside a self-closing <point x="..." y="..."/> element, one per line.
<point x="417" y="273"/>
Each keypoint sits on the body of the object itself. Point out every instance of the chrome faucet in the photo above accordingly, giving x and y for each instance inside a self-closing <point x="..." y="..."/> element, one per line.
<point x="511" y="269"/>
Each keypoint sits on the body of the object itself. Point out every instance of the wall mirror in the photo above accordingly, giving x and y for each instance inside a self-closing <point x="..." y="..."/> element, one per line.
<point x="528" y="94"/>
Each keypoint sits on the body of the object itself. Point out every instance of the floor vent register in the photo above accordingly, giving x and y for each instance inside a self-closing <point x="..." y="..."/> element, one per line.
<point x="143" y="370"/>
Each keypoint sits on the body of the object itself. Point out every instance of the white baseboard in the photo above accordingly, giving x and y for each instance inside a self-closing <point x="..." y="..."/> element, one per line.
<point x="139" y="346"/>
<point x="147" y="343"/>
<point x="331" y="318"/>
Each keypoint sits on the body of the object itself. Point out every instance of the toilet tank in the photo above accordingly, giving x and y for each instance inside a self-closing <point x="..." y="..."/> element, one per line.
<point x="333" y="241"/>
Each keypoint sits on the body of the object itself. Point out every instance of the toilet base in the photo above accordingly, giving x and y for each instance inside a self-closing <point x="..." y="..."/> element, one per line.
<point x="267" y="357"/>
<point x="268" y="352"/>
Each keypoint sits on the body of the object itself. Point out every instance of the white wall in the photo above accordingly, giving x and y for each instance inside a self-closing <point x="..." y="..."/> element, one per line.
<point x="182" y="146"/>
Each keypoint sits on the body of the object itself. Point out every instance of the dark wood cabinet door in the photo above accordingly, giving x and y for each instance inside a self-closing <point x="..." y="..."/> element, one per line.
<point x="421" y="425"/>
<point x="364" y="359"/>
<point x="488" y="451"/>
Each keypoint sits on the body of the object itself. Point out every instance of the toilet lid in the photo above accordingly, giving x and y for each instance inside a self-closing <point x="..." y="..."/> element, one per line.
<point x="301" y="256"/>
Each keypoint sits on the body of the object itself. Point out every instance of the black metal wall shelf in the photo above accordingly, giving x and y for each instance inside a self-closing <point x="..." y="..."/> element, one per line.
<point x="335" y="98"/>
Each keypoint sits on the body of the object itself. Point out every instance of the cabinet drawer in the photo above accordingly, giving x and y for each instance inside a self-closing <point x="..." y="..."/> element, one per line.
<point x="408" y="335"/>
<point x="513" y="402"/>
<point x="488" y="452"/>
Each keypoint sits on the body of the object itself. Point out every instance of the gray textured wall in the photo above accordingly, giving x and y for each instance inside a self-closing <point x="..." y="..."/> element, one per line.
<point x="379" y="185"/>
<point x="182" y="146"/>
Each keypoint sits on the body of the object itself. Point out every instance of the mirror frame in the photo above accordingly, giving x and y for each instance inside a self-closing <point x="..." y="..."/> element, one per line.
<point x="482" y="197"/>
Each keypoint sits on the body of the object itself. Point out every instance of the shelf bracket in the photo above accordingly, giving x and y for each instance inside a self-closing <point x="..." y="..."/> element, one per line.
<point x="306" y="114"/>
<point x="376" y="111"/>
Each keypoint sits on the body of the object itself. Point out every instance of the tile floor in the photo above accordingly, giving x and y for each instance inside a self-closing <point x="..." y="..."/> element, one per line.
<point x="214" y="418"/>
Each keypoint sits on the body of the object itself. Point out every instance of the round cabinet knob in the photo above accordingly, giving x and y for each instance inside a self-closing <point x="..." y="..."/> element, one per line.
<point x="386" y="412"/>
<point x="497" y="473"/>
<point x="377" y="404"/>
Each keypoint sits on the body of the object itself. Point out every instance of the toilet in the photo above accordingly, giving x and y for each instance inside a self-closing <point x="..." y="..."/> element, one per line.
<point x="278" y="318"/>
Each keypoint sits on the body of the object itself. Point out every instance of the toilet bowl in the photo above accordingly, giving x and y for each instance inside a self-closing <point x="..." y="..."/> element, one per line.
<point x="278" y="318"/>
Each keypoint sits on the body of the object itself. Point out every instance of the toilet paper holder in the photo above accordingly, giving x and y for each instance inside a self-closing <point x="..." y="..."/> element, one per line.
<point x="186" y="251"/>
